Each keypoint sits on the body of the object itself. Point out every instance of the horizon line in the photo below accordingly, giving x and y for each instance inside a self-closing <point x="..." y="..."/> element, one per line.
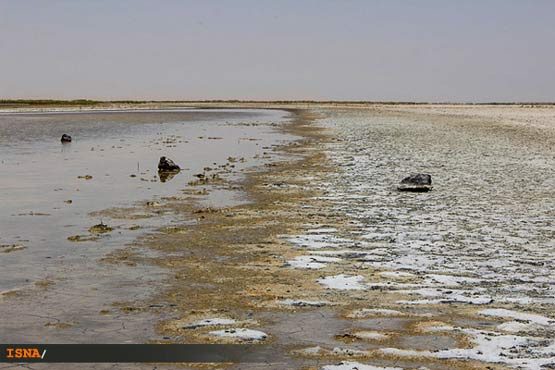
<point x="81" y="101"/>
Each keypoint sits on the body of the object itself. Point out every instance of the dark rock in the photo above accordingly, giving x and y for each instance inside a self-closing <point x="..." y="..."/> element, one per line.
<point x="66" y="138"/>
<point x="167" y="169"/>
<point x="418" y="183"/>
<point x="418" y="179"/>
<point x="167" y="165"/>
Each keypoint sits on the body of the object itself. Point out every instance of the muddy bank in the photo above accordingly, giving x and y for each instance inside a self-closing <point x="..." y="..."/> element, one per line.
<point x="332" y="264"/>
<point x="230" y="266"/>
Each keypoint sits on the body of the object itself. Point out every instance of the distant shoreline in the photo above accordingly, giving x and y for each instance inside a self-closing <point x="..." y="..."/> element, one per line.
<point x="19" y="103"/>
<point x="540" y="115"/>
<point x="91" y="106"/>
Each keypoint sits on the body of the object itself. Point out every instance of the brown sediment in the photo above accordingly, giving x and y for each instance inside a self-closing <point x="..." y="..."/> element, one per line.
<point x="231" y="263"/>
<point x="227" y="261"/>
<point x="100" y="228"/>
<point x="7" y="248"/>
<point x="59" y="325"/>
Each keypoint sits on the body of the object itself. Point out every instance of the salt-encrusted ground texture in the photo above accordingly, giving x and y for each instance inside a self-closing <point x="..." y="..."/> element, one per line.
<point x="482" y="243"/>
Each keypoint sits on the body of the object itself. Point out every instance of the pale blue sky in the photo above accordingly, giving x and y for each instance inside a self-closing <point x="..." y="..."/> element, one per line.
<point x="473" y="50"/>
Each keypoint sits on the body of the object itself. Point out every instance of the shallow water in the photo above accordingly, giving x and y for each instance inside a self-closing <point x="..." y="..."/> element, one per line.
<point x="39" y="174"/>
<point x="120" y="150"/>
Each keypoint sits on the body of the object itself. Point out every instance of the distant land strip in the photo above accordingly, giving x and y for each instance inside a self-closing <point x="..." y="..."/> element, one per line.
<point x="88" y="102"/>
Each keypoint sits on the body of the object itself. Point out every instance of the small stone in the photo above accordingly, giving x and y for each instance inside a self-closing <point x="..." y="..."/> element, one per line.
<point x="166" y="164"/>
<point x="418" y="183"/>
<point x="418" y="179"/>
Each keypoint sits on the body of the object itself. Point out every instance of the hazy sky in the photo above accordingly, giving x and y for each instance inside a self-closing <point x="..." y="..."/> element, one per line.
<point x="459" y="50"/>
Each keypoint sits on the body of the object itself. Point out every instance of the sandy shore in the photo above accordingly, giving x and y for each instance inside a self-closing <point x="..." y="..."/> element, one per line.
<point x="331" y="266"/>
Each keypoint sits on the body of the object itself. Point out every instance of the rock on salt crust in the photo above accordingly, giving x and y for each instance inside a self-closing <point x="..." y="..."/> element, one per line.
<point x="343" y="282"/>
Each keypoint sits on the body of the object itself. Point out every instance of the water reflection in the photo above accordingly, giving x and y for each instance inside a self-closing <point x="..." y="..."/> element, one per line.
<point x="166" y="176"/>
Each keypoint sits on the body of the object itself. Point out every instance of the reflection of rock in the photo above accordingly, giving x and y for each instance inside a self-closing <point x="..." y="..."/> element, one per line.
<point x="166" y="164"/>
<point x="416" y="183"/>
<point x="167" y="175"/>
<point x="66" y="138"/>
<point x="167" y="169"/>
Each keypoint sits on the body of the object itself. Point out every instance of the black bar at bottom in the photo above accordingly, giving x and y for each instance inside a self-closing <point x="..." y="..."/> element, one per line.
<point x="125" y="353"/>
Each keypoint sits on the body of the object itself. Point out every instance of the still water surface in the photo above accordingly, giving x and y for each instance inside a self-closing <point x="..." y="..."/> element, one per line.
<point x="39" y="175"/>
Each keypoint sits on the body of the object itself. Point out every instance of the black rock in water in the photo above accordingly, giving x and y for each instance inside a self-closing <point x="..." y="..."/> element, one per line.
<point x="167" y="165"/>
<point x="418" y="183"/>
<point x="66" y="138"/>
